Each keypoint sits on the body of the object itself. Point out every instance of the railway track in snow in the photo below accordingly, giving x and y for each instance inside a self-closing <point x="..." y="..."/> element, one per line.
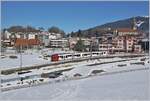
<point x="17" y="69"/>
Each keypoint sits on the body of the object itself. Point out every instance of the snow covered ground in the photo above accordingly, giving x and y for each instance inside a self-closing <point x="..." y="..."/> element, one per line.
<point x="123" y="86"/>
<point x="79" y="67"/>
<point x="85" y="70"/>
<point x="29" y="58"/>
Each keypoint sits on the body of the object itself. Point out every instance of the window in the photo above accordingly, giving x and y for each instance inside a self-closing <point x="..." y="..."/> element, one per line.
<point x="120" y="44"/>
<point x="46" y="37"/>
<point x="130" y="47"/>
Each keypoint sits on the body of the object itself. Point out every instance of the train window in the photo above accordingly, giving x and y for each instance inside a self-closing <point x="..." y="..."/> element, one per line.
<point x="61" y="57"/>
<point x="69" y="55"/>
<point x="85" y="54"/>
<point x="78" y="55"/>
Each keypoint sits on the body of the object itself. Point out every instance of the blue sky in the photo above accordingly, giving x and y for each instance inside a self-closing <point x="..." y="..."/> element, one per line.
<point x="69" y="16"/>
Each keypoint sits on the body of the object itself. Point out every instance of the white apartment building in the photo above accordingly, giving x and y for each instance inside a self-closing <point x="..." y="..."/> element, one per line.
<point x="55" y="36"/>
<point x="105" y="47"/>
<point x="59" y="43"/>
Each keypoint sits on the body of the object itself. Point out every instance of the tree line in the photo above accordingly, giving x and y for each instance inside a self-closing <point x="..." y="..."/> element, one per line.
<point x="26" y="29"/>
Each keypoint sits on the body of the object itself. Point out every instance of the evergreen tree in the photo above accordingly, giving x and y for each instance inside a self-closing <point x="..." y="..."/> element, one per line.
<point x="80" y="46"/>
<point x="79" y="33"/>
<point x="56" y="30"/>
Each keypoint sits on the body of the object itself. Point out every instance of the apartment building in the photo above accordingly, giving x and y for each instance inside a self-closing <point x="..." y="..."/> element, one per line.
<point x="126" y="41"/>
<point x="59" y="43"/>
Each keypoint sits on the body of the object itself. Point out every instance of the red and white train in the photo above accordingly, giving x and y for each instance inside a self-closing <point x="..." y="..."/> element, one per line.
<point x="67" y="56"/>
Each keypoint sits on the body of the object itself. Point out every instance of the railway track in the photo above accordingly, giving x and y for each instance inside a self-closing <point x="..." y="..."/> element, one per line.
<point x="14" y="70"/>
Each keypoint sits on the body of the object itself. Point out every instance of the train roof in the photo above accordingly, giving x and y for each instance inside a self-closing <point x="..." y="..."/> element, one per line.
<point x="70" y="53"/>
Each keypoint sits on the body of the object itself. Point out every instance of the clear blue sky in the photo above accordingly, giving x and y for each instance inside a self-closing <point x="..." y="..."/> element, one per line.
<point x="69" y="16"/>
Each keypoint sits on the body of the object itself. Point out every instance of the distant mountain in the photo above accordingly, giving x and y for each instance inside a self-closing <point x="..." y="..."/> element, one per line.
<point x="128" y="23"/>
<point x="142" y="23"/>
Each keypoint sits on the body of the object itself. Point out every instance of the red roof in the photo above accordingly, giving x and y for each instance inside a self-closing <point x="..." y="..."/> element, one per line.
<point x="126" y="30"/>
<point x="33" y="42"/>
<point x="25" y="42"/>
<point x="21" y="42"/>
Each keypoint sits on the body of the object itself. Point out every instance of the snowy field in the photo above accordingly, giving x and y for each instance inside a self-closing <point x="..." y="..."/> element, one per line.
<point x="121" y="86"/>
<point x="124" y="86"/>
<point x="79" y="67"/>
<point x="29" y="58"/>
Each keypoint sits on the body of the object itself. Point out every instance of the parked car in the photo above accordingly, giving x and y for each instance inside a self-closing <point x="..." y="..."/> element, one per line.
<point x="13" y="57"/>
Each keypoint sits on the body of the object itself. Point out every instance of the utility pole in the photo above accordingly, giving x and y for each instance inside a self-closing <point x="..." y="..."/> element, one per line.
<point x="91" y="50"/>
<point x="21" y="56"/>
<point x="72" y="54"/>
<point x="1" y="44"/>
<point x="21" y="79"/>
<point x="145" y="46"/>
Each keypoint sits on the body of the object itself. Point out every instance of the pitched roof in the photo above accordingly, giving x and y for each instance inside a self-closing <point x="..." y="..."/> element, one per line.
<point x="33" y="42"/>
<point x="25" y="42"/>
<point x="126" y="30"/>
<point x="21" y="42"/>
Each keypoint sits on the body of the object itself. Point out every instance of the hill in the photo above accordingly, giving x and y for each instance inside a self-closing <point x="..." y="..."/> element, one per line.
<point x="142" y="23"/>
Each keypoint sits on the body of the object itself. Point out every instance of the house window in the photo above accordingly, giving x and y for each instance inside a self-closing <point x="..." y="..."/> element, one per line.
<point x="129" y="43"/>
<point x="46" y="37"/>
<point x="129" y="40"/>
<point x="130" y="47"/>
<point x="120" y="44"/>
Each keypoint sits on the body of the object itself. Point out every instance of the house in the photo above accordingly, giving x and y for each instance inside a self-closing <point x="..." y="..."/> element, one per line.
<point x="26" y="43"/>
<point x="125" y="40"/>
<point x="44" y="38"/>
<point x="74" y="40"/>
<point x="105" y="47"/>
<point x="137" y="48"/>
<point x="144" y="44"/>
<point x="32" y="36"/>
<point x="55" y="35"/>
<point x="126" y="31"/>
<point x="7" y="35"/>
<point x="59" y="43"/>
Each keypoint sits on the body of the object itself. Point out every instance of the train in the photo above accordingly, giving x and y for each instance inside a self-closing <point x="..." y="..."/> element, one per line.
<point x="67" y="56"/>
